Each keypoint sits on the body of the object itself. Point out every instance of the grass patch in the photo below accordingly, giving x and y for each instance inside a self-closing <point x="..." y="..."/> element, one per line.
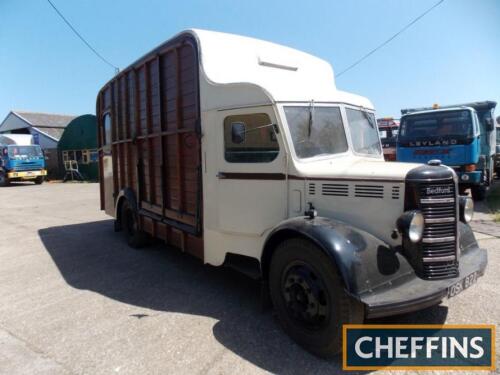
<point x="494" y="203"/>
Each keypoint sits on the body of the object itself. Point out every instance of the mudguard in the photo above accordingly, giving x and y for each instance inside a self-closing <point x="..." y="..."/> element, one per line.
<point x="124" y="194"/>
<point x="364" y="261"/>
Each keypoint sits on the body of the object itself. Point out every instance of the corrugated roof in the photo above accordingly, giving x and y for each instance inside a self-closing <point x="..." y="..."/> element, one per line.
<point x="49" y="120"/>
<point x="55" y="133"/>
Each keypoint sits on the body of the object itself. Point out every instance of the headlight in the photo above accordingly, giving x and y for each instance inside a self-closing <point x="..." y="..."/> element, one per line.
<point x="466" y="209"/>
<point x="411" y="223"/>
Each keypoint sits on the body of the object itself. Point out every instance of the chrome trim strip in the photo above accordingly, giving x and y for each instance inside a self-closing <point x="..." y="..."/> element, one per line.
<point x="440" y="220"/>
<point x="439" y="259"/>
<point x="437" y="200"/>
<point x="438" y="240"/>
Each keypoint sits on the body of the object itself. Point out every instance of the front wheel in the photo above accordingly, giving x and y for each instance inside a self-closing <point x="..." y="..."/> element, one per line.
<point x="309" y="297"/>
<point x="478" y="192"/>
<point x="4" y="180"/>
<point x="39" y="180"/>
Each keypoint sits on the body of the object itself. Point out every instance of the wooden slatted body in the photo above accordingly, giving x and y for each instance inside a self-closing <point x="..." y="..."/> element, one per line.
<point x="156" y="148"/>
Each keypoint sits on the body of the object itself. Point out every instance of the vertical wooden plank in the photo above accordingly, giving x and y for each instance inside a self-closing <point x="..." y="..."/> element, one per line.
<point x="128" y="174"/>
<point x="114" y="153"/>
<point x="121" y="146"/>
<point x="162" y="128"/>
<point x="138" y="152"/>
<point x="99" y="108"/>
<point x="178" y="102"/>
<point x="149" y="127"/>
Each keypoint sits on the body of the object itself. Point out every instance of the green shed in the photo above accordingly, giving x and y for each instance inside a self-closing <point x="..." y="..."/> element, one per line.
<point x="78" y="147"/>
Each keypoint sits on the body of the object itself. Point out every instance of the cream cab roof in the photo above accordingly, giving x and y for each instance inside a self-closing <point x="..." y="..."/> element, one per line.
<point x="285" y="74"/>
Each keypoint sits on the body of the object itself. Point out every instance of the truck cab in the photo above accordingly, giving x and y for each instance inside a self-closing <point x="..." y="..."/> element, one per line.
<point x="20" y="160"/>
<point x="243" y="153"/>
<point x="461" y="136"/>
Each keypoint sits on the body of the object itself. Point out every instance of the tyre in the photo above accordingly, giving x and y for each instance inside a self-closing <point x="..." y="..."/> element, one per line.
<point x="135" y="237"/>
<point x="309" y="298"/>
<point x="4" y="180"/>
<point x="478" y="192"/>
<point x="39" y="180"/>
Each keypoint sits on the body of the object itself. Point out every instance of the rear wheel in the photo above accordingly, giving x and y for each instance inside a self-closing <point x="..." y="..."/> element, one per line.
<point x="134" y="236"/>
<point x="39" y="180"/>
<point x="309" y="297"/>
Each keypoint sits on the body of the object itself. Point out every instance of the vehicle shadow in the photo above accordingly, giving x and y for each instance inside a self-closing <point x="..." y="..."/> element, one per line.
<point x="14" y="184"/>
<point x="90" y="256"/>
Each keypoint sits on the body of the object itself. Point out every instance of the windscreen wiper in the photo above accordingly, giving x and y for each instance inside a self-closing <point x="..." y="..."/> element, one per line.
<point x="311" y="119"/>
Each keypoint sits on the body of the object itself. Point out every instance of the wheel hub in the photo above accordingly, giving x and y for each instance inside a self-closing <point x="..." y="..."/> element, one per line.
<point x="305" y="296"/>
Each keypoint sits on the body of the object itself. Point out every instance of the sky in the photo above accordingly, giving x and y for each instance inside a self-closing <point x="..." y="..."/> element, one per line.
<point x="450" y="56"/>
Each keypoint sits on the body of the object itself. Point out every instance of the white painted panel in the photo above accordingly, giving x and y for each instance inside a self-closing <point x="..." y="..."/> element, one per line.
<point x="250" y="207"/>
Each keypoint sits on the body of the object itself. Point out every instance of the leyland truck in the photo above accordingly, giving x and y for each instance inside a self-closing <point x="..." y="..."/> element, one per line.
<point x="20" y="159"/>
<point x="243" y="153"/>
<point x="462" y="136"/>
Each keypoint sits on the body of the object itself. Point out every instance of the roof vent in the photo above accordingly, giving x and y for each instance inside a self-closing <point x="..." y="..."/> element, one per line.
<point x="270" y="64"/>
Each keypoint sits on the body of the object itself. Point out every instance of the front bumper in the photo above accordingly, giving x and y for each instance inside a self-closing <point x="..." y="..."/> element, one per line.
<point x="469" y="177"/>
<point x="27" y="174"/>
<point x="415" y="293"/>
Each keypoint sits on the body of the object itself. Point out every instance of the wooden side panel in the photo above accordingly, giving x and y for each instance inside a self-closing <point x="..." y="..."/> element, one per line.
<point x="156" y="145"/>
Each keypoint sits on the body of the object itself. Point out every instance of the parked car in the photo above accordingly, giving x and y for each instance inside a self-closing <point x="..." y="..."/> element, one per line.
<point x="20" y="159"/>
<point x="243" y="153"/>
<point x="461" y="136"/>
<point x="388" y="129"/>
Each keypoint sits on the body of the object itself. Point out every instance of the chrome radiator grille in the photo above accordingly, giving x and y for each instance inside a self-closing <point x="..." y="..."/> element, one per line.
<point x="439" y="242"/>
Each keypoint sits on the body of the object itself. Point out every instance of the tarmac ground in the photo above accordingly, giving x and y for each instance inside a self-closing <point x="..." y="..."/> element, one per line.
<point x="75" y="299"/>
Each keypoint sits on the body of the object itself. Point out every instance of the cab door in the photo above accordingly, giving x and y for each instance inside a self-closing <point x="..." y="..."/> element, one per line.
<point x="251" y="175"/>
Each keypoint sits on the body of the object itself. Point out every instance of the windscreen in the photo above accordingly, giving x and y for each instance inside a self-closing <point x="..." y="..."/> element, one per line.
<point x="24" y="151"/>
<point x="316" y="131"/>
<point x="364" y="132"/>
<point x="444" y="124"/>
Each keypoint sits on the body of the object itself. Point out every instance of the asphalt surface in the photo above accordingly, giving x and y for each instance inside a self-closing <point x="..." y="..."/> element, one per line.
<point x="74" y="299"/>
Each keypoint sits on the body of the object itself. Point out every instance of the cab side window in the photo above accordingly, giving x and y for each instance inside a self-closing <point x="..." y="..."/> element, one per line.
<point x="250" y="138"/>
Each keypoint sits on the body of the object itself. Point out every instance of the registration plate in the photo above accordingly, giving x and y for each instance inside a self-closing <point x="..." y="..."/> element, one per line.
<point x="461" y="285"/>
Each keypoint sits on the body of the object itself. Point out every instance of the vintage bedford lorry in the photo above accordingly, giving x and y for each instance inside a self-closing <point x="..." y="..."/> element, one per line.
<point x="243" y="153"/>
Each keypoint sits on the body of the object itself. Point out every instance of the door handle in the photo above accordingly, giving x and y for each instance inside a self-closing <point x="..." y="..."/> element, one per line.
<point x="221" y="175"/>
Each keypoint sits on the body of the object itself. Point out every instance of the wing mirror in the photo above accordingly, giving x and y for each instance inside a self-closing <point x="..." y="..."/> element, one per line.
<point x="238" y="131"/>
<point x="498" y="120"/>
